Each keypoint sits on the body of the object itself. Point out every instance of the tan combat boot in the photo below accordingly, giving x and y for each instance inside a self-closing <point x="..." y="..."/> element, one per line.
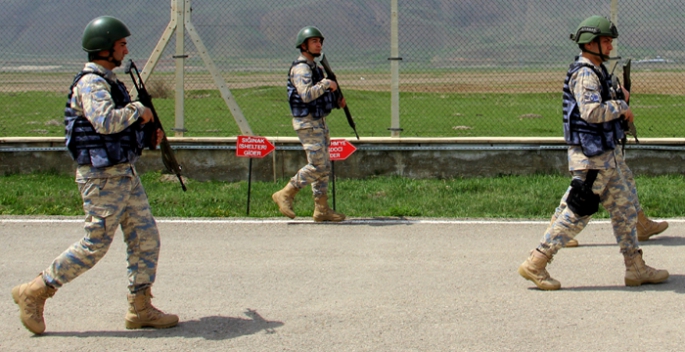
<point x="533" y="269"/>
<point x="323" y="213"/>
<point x="638" y="273"/>
<point x="31" y="299"/>
<point x="141" y="313"/>
<point x="284" y="198"/>
<point x="572" y="243"/>
<point x="647" y="228"/>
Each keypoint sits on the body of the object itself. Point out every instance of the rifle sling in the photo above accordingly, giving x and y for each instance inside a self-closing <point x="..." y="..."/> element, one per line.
<point x="591" y="177"/>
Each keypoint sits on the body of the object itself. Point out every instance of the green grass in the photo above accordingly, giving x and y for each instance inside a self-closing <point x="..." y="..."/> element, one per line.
<point x="506" y="197"/>
<point x="422" y="114"/>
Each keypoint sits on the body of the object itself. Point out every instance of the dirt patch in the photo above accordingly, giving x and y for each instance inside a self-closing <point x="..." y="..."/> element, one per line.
<point x="670" y="83"/>
<point x="530" y="116"/>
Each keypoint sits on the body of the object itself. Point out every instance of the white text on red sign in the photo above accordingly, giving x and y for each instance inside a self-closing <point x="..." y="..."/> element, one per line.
<point x="340" y="149"/>
<point x="253" y="147"/>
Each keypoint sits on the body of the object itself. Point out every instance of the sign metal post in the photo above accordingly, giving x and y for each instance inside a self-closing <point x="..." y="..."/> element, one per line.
<point x="252" y="147"/>
<point x="340" y="149"/>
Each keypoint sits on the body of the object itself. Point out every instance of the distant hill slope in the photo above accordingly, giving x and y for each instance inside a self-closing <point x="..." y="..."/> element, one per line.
<point x="440" y="33"/>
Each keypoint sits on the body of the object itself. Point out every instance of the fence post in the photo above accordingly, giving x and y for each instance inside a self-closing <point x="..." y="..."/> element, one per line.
<point x="614" y="19"/>
<point x="179" y="57"/>
<point x="180" y="22"/>
<point x="395" y="73"/>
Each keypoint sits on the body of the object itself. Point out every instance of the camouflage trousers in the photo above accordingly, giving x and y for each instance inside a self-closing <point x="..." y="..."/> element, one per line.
<point x="618" y="200"/>
<point x="315" y="142"/>
<point x="108" y="204"/>
<point x="630" y="181"/>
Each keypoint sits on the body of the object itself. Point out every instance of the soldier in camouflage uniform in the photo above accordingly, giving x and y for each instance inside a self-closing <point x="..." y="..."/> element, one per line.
<point x="311" y="99"/>
<point x="592" y="128"/>
<point x="105" y="137"/>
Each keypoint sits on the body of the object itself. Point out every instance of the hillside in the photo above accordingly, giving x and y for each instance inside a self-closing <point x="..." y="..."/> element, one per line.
<point x="439" y="33"/>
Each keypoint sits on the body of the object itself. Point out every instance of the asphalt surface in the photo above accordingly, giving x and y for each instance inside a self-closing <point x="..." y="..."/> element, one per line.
<point x="362" y="285"/>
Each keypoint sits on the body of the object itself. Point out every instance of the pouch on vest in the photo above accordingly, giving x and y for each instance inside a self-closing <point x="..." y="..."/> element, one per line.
<point x="581" y="200"/>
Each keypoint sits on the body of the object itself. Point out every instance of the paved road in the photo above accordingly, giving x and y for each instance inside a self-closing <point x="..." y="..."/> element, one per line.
<point x="362" y="285"/>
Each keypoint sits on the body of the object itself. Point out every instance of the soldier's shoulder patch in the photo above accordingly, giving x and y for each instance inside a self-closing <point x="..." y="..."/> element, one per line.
<point x="592" y="97"/>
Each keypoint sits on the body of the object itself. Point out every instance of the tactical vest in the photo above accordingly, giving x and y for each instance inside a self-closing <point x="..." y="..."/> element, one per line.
<point x="319" y="107"/>
<point x="594" y="138"/>
<point x="86" y="146"/>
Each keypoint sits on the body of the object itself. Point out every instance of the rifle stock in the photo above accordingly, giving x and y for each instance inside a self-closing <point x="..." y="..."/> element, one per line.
<point x="168" y="158"/>
<point x="338" y="93"/>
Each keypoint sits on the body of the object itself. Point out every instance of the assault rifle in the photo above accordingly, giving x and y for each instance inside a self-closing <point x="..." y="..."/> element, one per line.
<point x="628" y="127"/>
<point x="151" y="127"/>
<point x="338" y="94"/>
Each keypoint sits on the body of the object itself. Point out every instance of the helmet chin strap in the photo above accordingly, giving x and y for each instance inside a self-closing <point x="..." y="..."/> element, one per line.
<point x="311" y="53"/>
<point x="306" y="50"/>
<point x="110" y="58"/>
<point x="600" y="53"/>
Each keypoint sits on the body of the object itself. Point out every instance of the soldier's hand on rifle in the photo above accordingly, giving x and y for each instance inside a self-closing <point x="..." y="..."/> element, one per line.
<point x="157" y="138"/>
<point x="342" y="103"/>
<point x="628" y="116"/>
<point x="626" y="93"/>
<point x="333" y="86"/>
<point x="147" y="116"/>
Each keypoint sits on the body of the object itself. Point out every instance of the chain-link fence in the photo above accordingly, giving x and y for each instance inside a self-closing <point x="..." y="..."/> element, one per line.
<point x="468" y="68"/>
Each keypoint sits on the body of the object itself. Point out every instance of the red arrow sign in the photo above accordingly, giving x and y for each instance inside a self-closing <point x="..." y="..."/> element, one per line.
<point x="253" y="147"/>
<point x="340" y="149"/>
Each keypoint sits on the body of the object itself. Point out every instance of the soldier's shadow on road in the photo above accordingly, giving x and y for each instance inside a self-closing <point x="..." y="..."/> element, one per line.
<point x="209" y="328"/>
<point x="675" y="283"/>
<point x="655" y="241"/>
<point x="664" y="241"/>
<point x="375" y="221"/>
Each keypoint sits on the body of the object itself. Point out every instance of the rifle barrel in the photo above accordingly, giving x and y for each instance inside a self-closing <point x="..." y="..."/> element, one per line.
<point x="168" y="158"/>
<point x="330" y="75"/>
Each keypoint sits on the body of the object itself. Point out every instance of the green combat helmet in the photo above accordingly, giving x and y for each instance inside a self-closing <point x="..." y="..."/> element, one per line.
<point x="306" y="33"/>
<point x="593" y="27"/>
<point x="101" y="33"/>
